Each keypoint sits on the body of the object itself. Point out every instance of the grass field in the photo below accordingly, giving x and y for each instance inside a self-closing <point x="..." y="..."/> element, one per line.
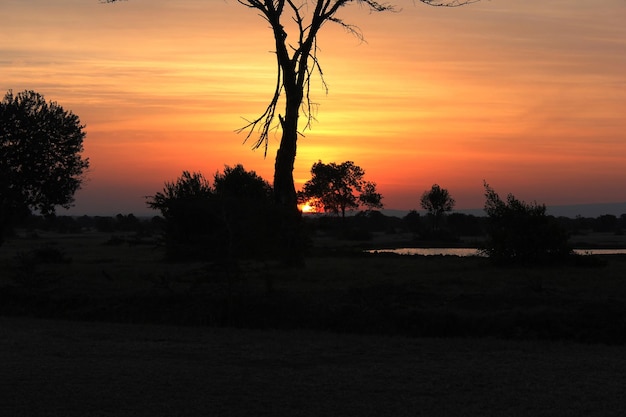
<point x="99" y="325"/>
<point x="62" y="368"/>
<point x="96" y="276"/>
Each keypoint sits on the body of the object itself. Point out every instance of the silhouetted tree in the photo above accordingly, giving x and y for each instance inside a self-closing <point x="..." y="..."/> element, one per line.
<point x="190" y="221"/>
<point x="412" y="221"/>
<point x="248" y="212"/>
<point x="41" y="166"/>
<point x="437" y="201"/>
<point x="369" y="197"/>
<point x="521" y="232"/>
<point x="238" y="184"/>
<point x="296" y="62"/>
<point x="233" y="219"/>
<point x="332" y="188"/>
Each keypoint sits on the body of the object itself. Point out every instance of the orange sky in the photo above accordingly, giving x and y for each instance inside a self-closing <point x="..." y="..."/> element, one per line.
<point x="529" y="95"/>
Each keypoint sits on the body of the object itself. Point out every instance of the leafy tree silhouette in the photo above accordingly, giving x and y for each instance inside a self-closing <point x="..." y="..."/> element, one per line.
<point x="437" y="201"/>
<point x="247" y="211"/>
<point x="522" y="233"/>
<point x="230" y="220"/>
<point x="187" y="207"/>
<point x="41" y="166"/>
<point x="332" y="188"/>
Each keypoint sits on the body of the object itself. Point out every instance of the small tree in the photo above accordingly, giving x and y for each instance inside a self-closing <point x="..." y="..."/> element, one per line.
<point x="190" y="221"/>
<point x="332" y="188"/>
<point x="521" y="232"/>
<point x="41" y="166"/>
<point x="369" y="197"/>
<point x="437" y="201"/>
<point x="247" y="212"/>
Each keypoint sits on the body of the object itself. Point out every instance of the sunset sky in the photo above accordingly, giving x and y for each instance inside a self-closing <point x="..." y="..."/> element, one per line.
<point x="528" y="95"/>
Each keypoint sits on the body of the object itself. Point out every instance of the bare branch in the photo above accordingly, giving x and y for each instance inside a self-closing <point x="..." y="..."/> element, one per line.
<point x="295" y="71"/>
<point x="263" y="124"/>
<point x="309" y="104"/>
<point x="453" y="3"/>
<point x="294" y="68"/>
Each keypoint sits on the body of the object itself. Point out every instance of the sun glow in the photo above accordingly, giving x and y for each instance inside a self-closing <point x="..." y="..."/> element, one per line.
<point x="307" y="208"/>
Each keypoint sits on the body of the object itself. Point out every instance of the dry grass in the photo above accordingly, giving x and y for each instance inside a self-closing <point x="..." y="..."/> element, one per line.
<point x="57" y="368"/>
<point x="74" y="368"/>
<point x="599" y="240"/>
<point x="418" y="296"/>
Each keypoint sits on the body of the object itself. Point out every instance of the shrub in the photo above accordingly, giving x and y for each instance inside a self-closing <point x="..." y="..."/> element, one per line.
<point x="522" y="233"/>
<point x="233" y="219"/>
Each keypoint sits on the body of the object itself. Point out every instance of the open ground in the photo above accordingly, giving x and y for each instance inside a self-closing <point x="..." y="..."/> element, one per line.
<point x="109" y="328"/>
<point x="63" y="368"/>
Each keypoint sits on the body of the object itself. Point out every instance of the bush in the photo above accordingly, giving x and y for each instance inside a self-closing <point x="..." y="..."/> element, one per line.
<point x="233" y="219"/>
<point x="522" y="233"/>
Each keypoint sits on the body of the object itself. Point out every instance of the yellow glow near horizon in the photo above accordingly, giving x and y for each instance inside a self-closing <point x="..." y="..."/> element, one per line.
<point x="307" y="208"/>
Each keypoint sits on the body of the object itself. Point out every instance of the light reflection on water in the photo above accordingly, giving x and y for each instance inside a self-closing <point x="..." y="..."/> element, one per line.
<point x="475" y="252"/>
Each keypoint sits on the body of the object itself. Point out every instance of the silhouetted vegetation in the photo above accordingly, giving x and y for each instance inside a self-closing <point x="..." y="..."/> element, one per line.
<point x="226" y="234"/>
<point x="236" y="218"/>
<point x="333" y="188"/>
<point x="467" y="225"/>
<point x="191" y="223"/>
<point x="437" y="202"/>
<point x="343" y="291"/>
<point x="412" y="222"/>
<point x="40" y="157"/>
<point x="124" y="224"/>
<point x="522" y="233"/>
<point x="296" y="62"/>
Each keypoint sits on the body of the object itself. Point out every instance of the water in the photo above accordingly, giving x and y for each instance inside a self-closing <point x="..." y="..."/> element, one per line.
<point x="474" y="252"/>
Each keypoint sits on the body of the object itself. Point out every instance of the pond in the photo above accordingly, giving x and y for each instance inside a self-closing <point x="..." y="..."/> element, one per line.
<point x="475" y="252"/>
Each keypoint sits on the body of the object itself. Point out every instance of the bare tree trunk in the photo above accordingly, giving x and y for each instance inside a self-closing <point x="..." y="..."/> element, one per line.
<point x="284" y="188"/>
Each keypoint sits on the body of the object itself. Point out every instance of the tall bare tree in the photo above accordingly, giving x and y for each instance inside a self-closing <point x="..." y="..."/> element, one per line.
<point x="296" y="62"/>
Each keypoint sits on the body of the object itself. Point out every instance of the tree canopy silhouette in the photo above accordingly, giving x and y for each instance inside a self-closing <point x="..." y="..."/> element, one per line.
<point x="519" y="232"/>
<point x="232" y="219"/>
<point x="295" y="25"/>
<point x="437" y="201"/>
<point x="332" y="188"/>
<point x="41" y="166"/>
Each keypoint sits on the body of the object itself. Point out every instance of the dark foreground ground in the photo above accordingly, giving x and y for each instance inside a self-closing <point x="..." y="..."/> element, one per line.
<point x="325" y="340"/>
<point x="60" y="368"/>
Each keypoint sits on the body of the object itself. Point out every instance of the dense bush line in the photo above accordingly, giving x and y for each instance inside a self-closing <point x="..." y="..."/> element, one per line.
<point x="411" y="308"/>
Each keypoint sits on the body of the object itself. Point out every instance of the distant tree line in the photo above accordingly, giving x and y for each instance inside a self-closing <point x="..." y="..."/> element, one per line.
<point x="360" y="226"/>
<point x="120" y="223"/>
